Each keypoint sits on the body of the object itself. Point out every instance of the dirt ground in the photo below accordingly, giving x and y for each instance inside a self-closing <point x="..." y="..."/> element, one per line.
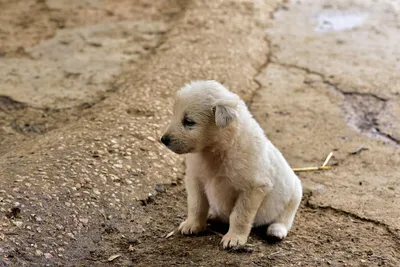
<point x="85" y="93"/>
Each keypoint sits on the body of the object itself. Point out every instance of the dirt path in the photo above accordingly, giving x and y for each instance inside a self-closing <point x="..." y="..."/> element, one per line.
<point x="85" y="93"/>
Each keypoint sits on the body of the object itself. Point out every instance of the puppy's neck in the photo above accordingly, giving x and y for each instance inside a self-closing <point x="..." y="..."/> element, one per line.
<point x="223" y="141"/>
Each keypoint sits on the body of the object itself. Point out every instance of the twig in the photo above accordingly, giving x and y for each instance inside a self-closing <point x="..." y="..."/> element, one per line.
<point x="274" y="253"/>
<point x="358" y="151"/>
<point x="170" y="234"/>
<point x="307" y="169"/>
<point x="327" y="159"/>
<point x="319" y="168"/>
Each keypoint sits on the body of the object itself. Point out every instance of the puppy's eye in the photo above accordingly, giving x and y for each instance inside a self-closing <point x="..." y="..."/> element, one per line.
<point x="187" y="122"/>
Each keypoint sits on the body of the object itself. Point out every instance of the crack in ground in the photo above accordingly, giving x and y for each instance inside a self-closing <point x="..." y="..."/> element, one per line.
<point x="15" y="115"/>
<point x="278" y="7"/>
<point x="328" y="82"/>
<point x="370" y="117"/>
<point x="383" y="101"/>
<point x="13" y="108"/>
<point x="259" y="70"/>
<point x="362" y="109"/>
<point x="268" y="59"/>
<point x="395" y="233"/>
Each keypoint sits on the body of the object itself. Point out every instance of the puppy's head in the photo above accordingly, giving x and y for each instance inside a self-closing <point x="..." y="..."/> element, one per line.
<point x="201" y="112"/>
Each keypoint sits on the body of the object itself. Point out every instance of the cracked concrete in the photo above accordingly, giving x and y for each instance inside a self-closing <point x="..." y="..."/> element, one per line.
<point x="363" y="111"/>
<point x="97" y="183"/>
<point x="331" y="53"/>
<point x="302" y="115"/>
<point x="394" y="232"/>
<point x="329" y="105"/>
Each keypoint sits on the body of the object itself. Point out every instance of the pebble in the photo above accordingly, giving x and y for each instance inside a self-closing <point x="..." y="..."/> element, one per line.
<point x="151" y="139"/>
<point x="96" y="191"/>
<point x="18" y="223"/>
<point x="38" y="253"/>
<point x="84" y="221"/>
<point x="48" y="255"/>
<point x="71" y="235"/>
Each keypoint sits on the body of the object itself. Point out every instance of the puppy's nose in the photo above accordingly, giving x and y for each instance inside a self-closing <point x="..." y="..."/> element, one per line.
<point x="166" y="140"/>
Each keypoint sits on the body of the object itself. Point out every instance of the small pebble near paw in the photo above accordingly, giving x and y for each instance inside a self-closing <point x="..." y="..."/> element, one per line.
<point x="190" y="227"/>
<point x="233" y="240"/>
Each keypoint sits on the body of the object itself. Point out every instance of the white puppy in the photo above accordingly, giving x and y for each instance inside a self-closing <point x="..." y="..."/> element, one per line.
<point x="234" y="173"/>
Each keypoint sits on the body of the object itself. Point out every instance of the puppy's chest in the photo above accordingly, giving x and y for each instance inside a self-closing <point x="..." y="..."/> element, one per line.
<point x="215" y="168"/>
<point x="227" y="170"/>
<point x="219" y="186"/>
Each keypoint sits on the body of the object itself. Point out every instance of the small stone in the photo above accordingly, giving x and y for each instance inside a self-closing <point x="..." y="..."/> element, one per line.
<point x="114" y="178"/>
<point x="151" y="139"/>
<point x="38" y="253"/>
<point x="38" y="219"/>
<point x="95" y="154"/>
<point x="160" y="188"/>
<point x="84" y="221"/>
<point x="48" y="255"/>
<point x="18" y="223"/>
<point x="113" y="257"/>
<point x="71" y="235"/>
<point x="96" y="191"/>
<point x="6" y="261"/>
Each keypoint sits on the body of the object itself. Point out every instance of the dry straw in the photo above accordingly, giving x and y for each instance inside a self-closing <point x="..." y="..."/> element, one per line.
<point x="319" y="168"/>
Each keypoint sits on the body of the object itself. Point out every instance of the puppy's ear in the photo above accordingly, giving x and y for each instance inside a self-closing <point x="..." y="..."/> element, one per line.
<point x="225" y="112"/>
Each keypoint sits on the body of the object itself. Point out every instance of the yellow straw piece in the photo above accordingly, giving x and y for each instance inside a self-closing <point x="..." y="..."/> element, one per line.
<point x="307" y="169"/>
<point x="319" y="168"/>
<point x="327" y="159"/>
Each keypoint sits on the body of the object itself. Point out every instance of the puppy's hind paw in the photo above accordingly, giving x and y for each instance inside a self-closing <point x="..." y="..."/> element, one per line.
<point x="277" y="231"/>
<point x="189" y="227"/>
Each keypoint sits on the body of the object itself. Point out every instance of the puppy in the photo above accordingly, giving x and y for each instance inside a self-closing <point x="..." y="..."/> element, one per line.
<point x="234" y="173"/>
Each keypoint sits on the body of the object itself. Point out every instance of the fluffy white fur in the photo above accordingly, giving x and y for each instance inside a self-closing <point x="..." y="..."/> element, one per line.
<point x="234" y="173"/>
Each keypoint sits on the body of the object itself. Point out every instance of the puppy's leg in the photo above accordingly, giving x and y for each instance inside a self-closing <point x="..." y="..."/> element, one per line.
<point x="197" y="207"/>
<point x="242" y="216"/>
<point x="283" y="223"/>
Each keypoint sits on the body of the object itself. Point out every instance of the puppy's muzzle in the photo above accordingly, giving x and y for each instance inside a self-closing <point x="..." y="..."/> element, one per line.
<point x="166" y="140"/>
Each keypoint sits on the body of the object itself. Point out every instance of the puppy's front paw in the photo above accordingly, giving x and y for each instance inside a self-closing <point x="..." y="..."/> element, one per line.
<point x="231" y="240"/>
<point x="189" y="227"/>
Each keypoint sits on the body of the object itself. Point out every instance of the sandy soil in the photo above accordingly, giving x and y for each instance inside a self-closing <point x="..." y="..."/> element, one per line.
<point x="86" y="89"/>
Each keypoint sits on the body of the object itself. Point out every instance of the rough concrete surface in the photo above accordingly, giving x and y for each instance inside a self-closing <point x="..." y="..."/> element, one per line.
<point x="86" y="89"/>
